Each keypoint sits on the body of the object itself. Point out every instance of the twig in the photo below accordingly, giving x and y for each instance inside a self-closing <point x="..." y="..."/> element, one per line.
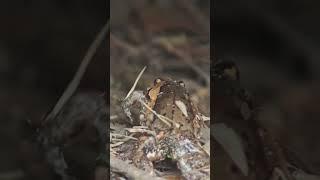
<point x="206" y="147"/>
<point x="135" y="130"/>
<point x="140" y="127"/>
<point x="116" y="144"/>
<point x="162" y="118"/>
<point x="112" y="117"/>
<point x="129" y="170"/>
<point x="80" y="72"/>
<point x="122" y="135"/>
<point x="135" y="82"/>
<point x="205" y="118"/>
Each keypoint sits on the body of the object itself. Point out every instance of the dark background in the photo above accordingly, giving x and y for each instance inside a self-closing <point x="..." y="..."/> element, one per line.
<point x="42" y="42"/>
<point x="276" y="46"/>
<point x="281" y="35"/>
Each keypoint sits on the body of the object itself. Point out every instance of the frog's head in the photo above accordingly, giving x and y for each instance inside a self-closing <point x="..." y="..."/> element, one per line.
<point x="166" y="85"/>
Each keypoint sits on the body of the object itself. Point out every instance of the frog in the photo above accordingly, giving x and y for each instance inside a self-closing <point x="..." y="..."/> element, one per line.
<point x="173" y="102"/>
<point x="176" y="121"/>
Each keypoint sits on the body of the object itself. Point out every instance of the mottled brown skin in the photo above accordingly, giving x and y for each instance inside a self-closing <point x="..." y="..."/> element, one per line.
<point x="170" y="92"/>
<point x="178" y="141"/>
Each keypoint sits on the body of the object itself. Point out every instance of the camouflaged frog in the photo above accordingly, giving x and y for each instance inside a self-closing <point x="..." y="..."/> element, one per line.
<point x="171" y="101"/>
<point x="169" y="112"/>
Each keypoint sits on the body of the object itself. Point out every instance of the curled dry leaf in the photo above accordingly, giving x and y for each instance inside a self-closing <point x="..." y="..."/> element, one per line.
<point x="232" y="144"/>
<point x="182" y="107"/>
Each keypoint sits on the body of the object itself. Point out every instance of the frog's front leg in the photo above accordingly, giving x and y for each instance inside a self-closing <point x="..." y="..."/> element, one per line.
<point x="147" y="153"/>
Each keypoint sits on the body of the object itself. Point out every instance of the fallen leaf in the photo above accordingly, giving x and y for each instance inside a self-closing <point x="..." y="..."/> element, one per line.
<point x="231" y="143"/>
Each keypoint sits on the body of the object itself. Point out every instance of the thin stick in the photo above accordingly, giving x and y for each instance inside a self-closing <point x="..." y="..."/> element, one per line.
<point x="135" y="82"/>
<point x="140" y="127"/>
<point x="113" y="145"/>
<point x="121" y="135"/>
<point x="129" y="170"/>
<point x="134" y="130"/>
<point x="73" y="85"/>
<point x="112" y="117"/>
<point x="161" y="117"/>
<point x="205" y="118"/>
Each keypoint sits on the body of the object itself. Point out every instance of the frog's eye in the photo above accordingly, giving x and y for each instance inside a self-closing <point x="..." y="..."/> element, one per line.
<point x="181" y="83"/>
<point x="157" y="81"/>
